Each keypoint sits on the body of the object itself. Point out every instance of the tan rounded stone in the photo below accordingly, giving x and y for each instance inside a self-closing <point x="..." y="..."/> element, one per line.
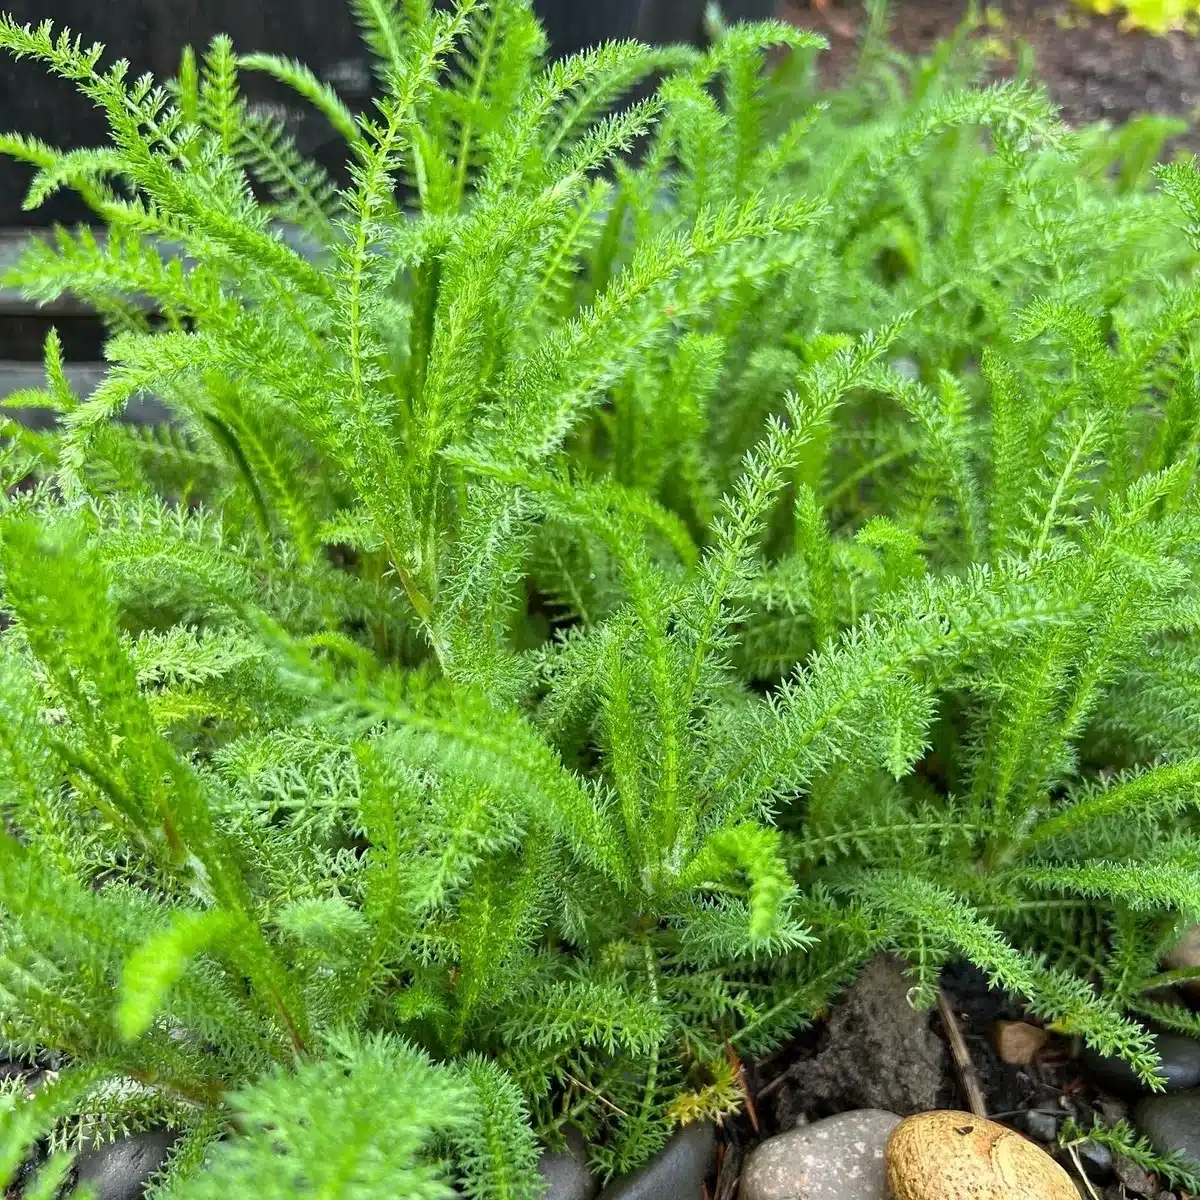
<point x="1017" y="1042"/>
<point x="948" y="1155"/>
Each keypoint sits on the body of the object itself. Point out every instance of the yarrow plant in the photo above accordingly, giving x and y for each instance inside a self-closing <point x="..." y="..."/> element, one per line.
<point x="612" y="566"/>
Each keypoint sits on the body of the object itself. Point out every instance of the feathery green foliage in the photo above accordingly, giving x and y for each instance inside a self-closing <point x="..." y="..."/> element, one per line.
<point x="627" y="564"/>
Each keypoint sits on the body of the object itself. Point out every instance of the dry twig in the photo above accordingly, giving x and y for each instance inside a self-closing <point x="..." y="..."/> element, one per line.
<point x="739" y="1072"/>
<point x="775" y="1084"/>
<point x="602" y="1098"/>
<point x="1087" y="1183"/>
<point x="967" y="1074"/>
<point x="729" y="1171"/>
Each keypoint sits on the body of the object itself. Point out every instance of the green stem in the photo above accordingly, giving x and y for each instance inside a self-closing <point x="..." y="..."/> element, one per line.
<point x="651" y="1088"/>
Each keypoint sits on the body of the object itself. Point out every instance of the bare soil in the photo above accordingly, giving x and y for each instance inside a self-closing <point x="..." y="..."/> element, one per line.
<point x="1094" y="70"/>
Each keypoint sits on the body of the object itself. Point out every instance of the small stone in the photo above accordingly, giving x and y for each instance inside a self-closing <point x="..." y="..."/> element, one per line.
<point x="1172" y="1123"/>
<point x="566" y="1171"/>
<point x="1134" y="1179"/>
<point x="1180" y="1067"/>
<point x="954" y="1155"/>
<point x="676" y="1172"/>
<point x="839" y="1158"/>
<point x="1112" y="1109"/>
<point x="121" y="1170"/>
<point x="1017" y="1042"/>
<point x="1097" y="1160"/>
<point x="1173" y="997"/>
<point x="1041" y="1125"/>
<point x="1184" y="955"/>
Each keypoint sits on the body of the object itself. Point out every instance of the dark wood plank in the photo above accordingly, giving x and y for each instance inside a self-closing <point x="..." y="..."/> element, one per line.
<point x="14" y="241"/>
<point x="12" y="302"/>
<point x="17" y="376"/>
<point x="321" y="33"/>
<point x="150" y="34"/>
<point x="83" y="377"/>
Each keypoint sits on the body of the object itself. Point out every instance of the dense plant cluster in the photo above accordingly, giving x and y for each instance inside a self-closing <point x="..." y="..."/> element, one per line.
<point x="614" y="565"/>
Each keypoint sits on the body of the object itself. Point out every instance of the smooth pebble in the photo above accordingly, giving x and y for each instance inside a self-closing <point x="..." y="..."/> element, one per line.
<point x="1180" y="1067"/>
<point x="566" y="1171"/>
<point x="839" y="1158"/>
<point x="1172" y="1123"/>
<point x="946" y="1155"/>
<point x="121" y="1170"/>
<point x="676" y="1172"/>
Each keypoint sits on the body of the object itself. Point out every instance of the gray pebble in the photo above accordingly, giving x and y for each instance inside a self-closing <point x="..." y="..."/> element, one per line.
<point x="676" y="1172"/>
<point x="839" y="1158"/>
<point x="1134" y="1179"/>
<point x="566" y="1172"/>
<point x="1041" y="1125"/>
<point x="1172" y="1122"/>
<point x="120" y="1171"/>
<point x="1097" y="1160"/>
<point x="1180" y="1067"/>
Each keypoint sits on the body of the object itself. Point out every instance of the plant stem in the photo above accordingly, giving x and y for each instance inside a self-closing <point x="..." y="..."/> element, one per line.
<point x="967" y="1073"/>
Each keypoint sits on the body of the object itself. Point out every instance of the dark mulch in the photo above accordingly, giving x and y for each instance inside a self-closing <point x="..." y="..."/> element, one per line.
<point x="1093" y="69"/>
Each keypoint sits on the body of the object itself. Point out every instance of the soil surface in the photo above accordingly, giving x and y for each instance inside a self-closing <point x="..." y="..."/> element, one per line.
<point x="875" y="1051"/>
<point x="1093" y="69"/>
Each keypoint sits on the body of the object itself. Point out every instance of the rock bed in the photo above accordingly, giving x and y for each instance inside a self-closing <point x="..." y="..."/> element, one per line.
<point x="826" y="1107"/>
<point x="903" y="1059"/>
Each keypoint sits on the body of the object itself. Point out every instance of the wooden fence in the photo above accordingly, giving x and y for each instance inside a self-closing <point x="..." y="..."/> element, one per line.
<point x="151" y="33"/>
